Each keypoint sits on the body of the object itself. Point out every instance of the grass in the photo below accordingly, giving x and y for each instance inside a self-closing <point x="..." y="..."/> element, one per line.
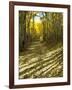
<point x="41" y="60"/>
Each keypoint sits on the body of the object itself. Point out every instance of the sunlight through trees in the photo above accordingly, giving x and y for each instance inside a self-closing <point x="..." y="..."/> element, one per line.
<point x="40" y="44"/>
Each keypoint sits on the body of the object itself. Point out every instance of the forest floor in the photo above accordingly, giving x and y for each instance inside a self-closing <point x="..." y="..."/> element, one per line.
<point x="41" y="61"/>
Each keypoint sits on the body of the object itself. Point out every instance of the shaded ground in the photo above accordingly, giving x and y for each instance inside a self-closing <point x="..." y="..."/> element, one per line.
<point x="41" y="61"/>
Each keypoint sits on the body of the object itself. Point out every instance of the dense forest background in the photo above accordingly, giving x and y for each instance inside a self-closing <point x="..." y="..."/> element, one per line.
<point x="44" y="26"/>
<point x="40" y="44"/>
